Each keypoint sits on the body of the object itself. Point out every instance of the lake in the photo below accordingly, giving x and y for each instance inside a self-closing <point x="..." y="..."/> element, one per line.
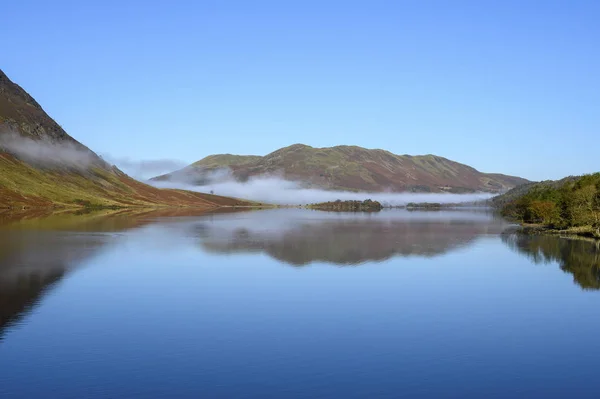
<point x="293" y="303"/>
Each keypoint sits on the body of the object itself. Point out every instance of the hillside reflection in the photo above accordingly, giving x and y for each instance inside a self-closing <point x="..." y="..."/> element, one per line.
<point x="38" y="253"/>
<point x="32" y="263"/>
<point x="346" y="239"/>
<point x="39" y="249"/>
<point x="579" y="257"/>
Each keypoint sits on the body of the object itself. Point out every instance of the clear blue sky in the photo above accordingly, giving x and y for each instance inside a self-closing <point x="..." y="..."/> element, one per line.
<point x="504" y="86"/>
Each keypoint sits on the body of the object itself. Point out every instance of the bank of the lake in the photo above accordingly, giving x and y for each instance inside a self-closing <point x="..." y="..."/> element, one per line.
<point x="538" y="229"/>
<point x="568" y="206"/>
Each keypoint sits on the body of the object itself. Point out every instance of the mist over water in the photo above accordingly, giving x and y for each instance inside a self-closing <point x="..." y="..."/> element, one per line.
<point x="279" y="191"/>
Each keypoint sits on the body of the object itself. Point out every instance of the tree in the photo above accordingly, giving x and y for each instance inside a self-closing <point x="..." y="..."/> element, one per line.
<point x="596" y="212"/>
<point x="544" y="211"/>
<point x="583" y="204"/>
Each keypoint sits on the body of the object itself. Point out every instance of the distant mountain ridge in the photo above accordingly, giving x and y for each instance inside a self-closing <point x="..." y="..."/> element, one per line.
<point x="42" y="166"/>
<point x="350" y="168"/>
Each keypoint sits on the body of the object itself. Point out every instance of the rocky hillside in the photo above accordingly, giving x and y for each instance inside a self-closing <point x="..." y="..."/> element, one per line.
<point x="42" y="166"/>
<point x="349" y="168"/>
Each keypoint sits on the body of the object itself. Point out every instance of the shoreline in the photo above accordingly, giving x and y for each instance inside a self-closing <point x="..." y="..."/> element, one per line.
<point x="572" y="232"/>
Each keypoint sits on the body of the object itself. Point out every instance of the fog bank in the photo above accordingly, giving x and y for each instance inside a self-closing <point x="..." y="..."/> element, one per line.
<point x="283" y="192"/>
<point x="45" y="152"/>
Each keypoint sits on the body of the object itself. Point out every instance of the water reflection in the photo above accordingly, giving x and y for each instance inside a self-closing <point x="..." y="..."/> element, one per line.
<point x="38" y="249"/>
<point x="579" y="257"/>
<point x="31" y="263"/>
<point x="36" y="254"/>
<point x="299" y="237"/>
<point x="148" y="301"/>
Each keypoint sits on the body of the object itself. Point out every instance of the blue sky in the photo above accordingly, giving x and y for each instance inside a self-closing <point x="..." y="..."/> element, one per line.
<point x="504" y="86"/>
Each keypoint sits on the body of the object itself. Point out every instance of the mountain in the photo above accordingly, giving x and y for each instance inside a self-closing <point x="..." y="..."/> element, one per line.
<point x="42" y="166"/>
<point x="349" y="168"/>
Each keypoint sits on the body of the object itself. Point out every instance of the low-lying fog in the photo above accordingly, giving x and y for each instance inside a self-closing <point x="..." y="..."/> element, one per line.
<point x="278" y="191"/>
<point x="45" y="152"/>
<point x="267" y="189"/>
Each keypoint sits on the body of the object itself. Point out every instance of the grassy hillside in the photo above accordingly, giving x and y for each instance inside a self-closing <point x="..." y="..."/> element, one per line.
<point x="22" y="185"/>
<point x="222" y="160"/>
<point x="37" y="166"/>
<point x="353" y="168"/>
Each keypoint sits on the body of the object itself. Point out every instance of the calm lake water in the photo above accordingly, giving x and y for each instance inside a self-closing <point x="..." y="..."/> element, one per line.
<point x="295" y="304"/>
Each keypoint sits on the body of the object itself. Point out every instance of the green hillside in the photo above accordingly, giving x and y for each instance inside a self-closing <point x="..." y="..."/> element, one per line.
<point x="42" y="166"/>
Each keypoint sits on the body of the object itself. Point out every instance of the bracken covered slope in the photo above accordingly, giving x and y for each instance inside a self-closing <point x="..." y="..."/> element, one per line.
<point x="30" y="181"/>
<point x="354" y="168"/>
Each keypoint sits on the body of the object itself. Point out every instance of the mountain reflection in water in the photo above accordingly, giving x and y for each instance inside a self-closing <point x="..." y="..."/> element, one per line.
<point x="38" y="249"/>
<point x="36" y="254"/>
<point x="300" y="238"/>
<point x="224" y="305"/>
<point x="32" y="262"/>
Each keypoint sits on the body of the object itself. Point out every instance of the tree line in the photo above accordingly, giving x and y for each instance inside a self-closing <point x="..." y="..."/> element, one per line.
<point x="574" y="203"/>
